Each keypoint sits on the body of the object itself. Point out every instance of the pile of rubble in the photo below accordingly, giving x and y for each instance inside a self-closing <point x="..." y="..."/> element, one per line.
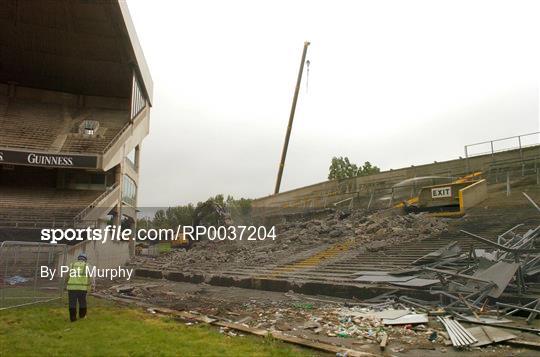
<point x="471" y="283"/>
<point x="383" y="322"/>
<point x="460" y="296"/>
<point x="295" y="240"/>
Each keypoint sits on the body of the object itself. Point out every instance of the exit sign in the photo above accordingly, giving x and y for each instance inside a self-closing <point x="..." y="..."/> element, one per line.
<point x="441" y="192"/>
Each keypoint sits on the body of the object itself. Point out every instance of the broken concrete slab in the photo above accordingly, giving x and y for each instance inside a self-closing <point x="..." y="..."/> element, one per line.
<point x="487" y="335"/>
<point x="382" y="278"/>
<point x="416" y="282"/>
<point x="411" y="319"/>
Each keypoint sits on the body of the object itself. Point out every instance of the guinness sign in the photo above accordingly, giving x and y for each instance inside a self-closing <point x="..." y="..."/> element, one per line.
<point x="47" y="160"/>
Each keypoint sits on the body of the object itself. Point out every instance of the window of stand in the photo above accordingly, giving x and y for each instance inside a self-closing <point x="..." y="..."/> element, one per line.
<point x="138" y="100"/>
<point x="129" y="191"/>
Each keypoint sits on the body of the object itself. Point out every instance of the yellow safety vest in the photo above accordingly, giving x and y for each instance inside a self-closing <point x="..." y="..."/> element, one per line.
<point x="81" y="280"/>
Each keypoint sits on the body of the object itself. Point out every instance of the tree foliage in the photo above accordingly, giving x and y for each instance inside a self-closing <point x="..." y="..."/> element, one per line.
<point x="184" y="215"/>
<point x="342" y="168"/>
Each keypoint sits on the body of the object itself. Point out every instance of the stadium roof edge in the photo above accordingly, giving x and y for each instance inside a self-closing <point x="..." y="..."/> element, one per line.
<point x="142" y="66"/>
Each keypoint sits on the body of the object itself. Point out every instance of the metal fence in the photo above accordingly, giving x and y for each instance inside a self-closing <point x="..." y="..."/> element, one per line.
<point x="22" y="268"/>
<point x="494" y="146"/>
<point x="509" y="175"/>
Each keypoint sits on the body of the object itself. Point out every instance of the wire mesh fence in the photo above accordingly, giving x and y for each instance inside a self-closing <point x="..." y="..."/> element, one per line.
<point x="22" y="273"/>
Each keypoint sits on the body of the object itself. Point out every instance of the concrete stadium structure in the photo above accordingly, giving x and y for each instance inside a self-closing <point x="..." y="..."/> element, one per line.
<point x="381" y="189"/>
<point x="75" y="98"/>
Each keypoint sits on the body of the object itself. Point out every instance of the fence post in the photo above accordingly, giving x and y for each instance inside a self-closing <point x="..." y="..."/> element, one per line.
<point x="36" y="272"/>
<point x="507" y="183"/>
<point x="3" y="255"/>
<point x="466" y="159"/>
<point x="371" y="197"/>
<point x="520" y="150"/>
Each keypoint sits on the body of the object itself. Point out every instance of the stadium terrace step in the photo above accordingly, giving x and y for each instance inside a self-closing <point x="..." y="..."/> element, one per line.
<point x="38" y="126"/>
<point x="43" y="207"/>
<point x="333" y="267"/>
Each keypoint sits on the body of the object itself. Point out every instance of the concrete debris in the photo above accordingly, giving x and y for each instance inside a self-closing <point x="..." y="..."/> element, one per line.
<point x="410" y="319"/>
<point x="295" y="240"/>
<point x="377" y="323"/>
<point x="430" y="302"/>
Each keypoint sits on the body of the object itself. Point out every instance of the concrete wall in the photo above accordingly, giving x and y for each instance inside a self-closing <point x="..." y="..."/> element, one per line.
<point x="127" y="141"/>
<point x="372" y="188"/>
<point x="472" y="195"/>
<point x="108" y="255"/>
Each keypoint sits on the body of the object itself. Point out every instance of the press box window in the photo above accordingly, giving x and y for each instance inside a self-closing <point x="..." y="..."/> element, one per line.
<point x="89" y="127"/>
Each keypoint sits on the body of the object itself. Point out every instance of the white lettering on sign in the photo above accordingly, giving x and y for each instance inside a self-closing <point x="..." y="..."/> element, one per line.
<point x="50" y="160"/>
<point x="441" y="192"/>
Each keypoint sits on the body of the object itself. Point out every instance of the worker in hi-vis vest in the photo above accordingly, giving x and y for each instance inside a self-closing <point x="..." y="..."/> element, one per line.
<point x="78" y="285"/>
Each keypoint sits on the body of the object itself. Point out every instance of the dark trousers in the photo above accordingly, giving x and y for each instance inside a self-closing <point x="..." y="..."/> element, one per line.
<point x="75" y="296"/>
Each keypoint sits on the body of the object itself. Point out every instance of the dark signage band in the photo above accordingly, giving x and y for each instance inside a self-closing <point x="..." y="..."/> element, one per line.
<point x="47" y="160"/>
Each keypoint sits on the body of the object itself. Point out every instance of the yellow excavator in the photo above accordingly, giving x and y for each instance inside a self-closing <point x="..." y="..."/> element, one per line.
<point x="440" y="197"/>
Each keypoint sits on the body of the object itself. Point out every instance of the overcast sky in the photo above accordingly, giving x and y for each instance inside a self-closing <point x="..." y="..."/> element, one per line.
<point x="393" y="82"/>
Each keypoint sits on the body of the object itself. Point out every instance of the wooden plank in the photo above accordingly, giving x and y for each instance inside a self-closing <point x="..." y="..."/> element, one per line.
<point x="384" y="341"/>
<point x="319" y="345"/>
<point x="524" y="343"/>
<point x="243" y="328"/>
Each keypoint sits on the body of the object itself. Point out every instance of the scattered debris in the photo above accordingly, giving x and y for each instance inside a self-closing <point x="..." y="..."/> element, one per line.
<point x="477" y="290"/>
<point x="17" y="279"/>
<point x="459" y="336"/>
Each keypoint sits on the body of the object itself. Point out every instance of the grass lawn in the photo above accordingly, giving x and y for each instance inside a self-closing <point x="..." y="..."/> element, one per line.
<point x="113" y="330"/>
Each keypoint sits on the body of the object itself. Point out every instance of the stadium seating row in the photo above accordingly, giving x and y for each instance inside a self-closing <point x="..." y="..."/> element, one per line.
<point x="37" y="126"/>
<point x="33" y="204"/>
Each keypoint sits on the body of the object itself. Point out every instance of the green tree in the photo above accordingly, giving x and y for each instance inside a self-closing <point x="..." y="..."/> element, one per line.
<point x="184" y="215"/>
<point x="341" y="168"/>
<point x="368" y="169"/>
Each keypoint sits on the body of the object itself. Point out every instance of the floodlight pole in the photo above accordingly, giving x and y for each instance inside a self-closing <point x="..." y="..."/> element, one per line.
<point x="291" y="118"/>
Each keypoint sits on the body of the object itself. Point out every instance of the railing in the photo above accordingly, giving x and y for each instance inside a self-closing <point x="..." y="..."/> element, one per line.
<point x="35" y="223"/>
<point x="121" y="132"/>
<point x="113" y="140"/>
<point x="516" y="142"/>
<point x="95" y="203"/>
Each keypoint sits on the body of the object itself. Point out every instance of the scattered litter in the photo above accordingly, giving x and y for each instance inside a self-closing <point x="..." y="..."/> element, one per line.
<point x="17" y="279"/>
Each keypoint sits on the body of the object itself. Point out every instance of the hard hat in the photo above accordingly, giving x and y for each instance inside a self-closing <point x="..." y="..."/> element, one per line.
<point x="82" y="256"/>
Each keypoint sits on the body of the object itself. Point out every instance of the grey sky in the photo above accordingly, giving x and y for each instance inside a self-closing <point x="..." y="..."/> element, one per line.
<point x="393" y="82"/>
